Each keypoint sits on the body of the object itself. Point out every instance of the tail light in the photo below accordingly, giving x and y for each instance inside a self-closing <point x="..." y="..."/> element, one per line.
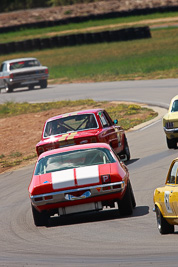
<point x="107" y="188"/>
<point x="48" y="197"/>
<point x="38" y="199"/>
<point x="46" y="71"/>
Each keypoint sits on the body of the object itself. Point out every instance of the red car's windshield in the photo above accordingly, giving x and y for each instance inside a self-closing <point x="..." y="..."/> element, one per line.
<point x="70" y="124"/>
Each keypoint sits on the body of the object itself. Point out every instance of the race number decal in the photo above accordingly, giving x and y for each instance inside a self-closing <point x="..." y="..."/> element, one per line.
<point x="166" y="201"/>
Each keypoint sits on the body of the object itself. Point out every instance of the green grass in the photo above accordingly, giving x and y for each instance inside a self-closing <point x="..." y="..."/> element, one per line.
<point x="24" y="34"/>
<point x="10" y="109"/>
<point x="151" y="58"/>
<point x="121" y="111"/>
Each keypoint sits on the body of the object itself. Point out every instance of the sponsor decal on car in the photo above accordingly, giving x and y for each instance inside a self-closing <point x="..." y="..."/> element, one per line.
<point x="166" y="201"/>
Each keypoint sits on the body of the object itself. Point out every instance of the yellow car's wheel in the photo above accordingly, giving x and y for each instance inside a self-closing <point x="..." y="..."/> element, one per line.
<point x="163" y="226"/>
<point x="171" y="143"/>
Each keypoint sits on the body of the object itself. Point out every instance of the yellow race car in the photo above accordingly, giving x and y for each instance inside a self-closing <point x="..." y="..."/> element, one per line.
<point x="170" y="123"/>
<point x="166" y="201"/>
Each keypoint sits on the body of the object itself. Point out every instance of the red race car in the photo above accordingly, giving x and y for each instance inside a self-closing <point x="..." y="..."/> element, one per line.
<point x="83" y="127"/>
<point x="77" y="179"/>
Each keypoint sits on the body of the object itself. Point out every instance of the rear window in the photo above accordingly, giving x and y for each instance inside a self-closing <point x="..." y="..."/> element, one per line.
<point x="74" y="159"/>
<point x="24" y="64"/>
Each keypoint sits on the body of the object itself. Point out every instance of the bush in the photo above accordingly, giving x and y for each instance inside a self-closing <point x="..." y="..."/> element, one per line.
<point x="11" y="5"/>
<point x="69" y="2"/>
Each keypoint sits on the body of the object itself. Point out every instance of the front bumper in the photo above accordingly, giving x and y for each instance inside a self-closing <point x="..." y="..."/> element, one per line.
<point x="171" y="133"/>
<point x="172" y="130"/>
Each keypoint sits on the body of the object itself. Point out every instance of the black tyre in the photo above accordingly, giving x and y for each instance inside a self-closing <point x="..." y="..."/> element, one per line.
<point x="126" y="203"/>
<point x="40" y="218"/>
<point x="8" y="88"/>
<point x="126" y="150"/>
<point x="171" y="143"/>
<point x="132" y="197"/>
<point x="43" y="83"/>
<point x="31" y="87"/>
<point x="163" y="226"/>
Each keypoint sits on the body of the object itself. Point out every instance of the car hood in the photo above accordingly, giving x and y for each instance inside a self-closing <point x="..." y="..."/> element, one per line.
<point x="171" y="116"/>
<point x="70" y="136"/>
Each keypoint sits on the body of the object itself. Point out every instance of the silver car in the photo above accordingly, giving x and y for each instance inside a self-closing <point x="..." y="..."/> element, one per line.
<point x="22" y="72"/>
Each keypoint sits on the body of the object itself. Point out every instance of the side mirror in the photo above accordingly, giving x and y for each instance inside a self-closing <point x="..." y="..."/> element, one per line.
<point x="123" y="157"/>
<point x="116" y="121"/>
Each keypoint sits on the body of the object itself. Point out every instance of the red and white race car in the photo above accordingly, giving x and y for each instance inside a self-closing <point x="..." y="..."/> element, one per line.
<point x="77" y="179"/>
<point x="83" y="127"/>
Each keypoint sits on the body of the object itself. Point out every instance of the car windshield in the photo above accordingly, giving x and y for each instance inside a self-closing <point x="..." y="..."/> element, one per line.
<point x="24" y="64"/>
<point x="74" y="159"/>
<point x="175" y="106"/>
<point x="70" y="124"/>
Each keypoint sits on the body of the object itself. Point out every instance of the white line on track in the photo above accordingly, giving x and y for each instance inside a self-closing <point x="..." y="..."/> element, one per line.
<point x="144" y="128"/>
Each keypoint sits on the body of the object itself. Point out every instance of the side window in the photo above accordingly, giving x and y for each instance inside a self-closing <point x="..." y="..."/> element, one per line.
<point x="103" y="119"/>
<point x="173" y="174"/>
<point x="175" y="106"/>
<point x="3" y="67"/>
<point x="108" y="117"/>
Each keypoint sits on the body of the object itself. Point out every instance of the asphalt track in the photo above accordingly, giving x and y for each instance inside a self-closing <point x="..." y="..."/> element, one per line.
<point x="95" y="239"/>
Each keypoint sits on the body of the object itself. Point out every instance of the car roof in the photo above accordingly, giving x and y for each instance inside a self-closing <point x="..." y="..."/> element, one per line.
<point x="174" y="98"/>
<point x="19" y="59"/>
<point x="172" y="101"/>
<point x="73" y="148"/>
<point x="86" y="111"/>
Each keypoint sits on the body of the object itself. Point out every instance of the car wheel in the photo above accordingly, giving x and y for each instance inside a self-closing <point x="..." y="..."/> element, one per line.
<point x="126" y="150"/>
<point x="163" y="226"/>
<point x="132" y="197"/>
<point x="40" y="218"/>
<point x="30" y="87"/>
<point x="8" y="88"/>
<point x="126" y="203"/>
<point x="171" y="143"/>
<point x="43" y="83"/>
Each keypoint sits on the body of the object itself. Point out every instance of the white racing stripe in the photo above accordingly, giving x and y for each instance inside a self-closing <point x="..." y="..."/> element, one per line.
<point x="63" y="179"/>
<point x="84" y="176"/>
<point x="87" y="175"/>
